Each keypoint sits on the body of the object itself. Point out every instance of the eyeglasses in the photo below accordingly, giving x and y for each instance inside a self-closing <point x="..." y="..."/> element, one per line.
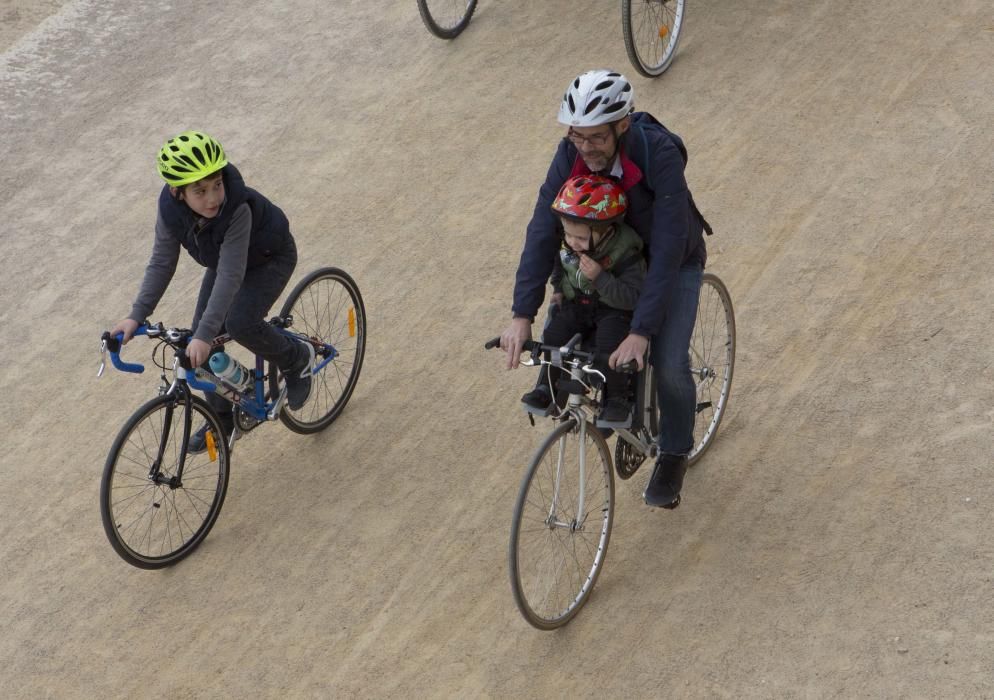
<point x="594" y="140"/>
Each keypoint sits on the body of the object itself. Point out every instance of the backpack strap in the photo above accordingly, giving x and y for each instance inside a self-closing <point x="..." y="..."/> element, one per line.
<point x="647" y="174"/>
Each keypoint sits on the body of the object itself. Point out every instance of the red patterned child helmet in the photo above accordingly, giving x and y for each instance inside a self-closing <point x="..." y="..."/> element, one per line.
<point x="591" y="199"/>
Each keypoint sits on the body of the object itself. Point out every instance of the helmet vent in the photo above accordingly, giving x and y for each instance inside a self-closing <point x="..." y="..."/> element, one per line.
<point x="592" y="105"/>
<point x="604" y="85"/>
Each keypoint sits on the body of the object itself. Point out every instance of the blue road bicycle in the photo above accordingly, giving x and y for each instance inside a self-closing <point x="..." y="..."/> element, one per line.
<point x="158" y="500"/>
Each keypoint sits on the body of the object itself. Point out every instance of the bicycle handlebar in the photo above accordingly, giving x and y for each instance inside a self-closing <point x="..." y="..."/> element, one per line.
<point x="566" y="351"/>
<point x="113" y="345"/>
<point x="174" y="337"/>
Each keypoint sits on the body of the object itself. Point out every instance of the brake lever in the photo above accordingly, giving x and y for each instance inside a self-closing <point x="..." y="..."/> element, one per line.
<point x="103" y="358"/>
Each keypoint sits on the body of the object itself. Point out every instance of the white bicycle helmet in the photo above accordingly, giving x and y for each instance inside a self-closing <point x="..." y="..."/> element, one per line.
<point x="596" y="97"/>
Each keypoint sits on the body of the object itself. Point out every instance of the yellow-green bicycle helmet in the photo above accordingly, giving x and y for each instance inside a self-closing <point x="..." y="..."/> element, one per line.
<point x="191" y="156"/>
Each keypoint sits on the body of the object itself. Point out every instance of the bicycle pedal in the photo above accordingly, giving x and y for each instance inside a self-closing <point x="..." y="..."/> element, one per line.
<point x="540" y="412"/>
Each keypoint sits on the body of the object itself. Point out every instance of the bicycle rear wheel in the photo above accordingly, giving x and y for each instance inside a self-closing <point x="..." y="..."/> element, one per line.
<point x="557" y="551"/>
<point x="326" y="307"/>
<point x="155" y="522"/>
<point x="652" y="31"/>
<point x="712" y="360"/>
<point x="446" y="18"/>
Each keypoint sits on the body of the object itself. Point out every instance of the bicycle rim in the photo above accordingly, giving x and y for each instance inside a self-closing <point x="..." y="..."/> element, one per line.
<point x="446" y="19"/>
<point x="712" y="360"/>
<point x="652" y="32"/>
<point x="556" y="550"/>
<point x="149" y="524"/>
<point x="327" y="307"/>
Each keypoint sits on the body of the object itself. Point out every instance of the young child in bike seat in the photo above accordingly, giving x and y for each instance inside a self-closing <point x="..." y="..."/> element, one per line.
<point x="244" y="242"/>
<point x="597" y="284"/>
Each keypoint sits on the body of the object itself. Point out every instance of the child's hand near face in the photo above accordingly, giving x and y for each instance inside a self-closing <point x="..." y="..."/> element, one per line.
<point x="589" y="267"/>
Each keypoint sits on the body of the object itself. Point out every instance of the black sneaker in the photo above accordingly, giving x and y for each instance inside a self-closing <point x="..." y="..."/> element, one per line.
<point x="539" y="397"/>
<point x="663" y="489"/>
<point x="615" y="410"/>
<point x="299" y="380"/>
<point x="198" y="441"/>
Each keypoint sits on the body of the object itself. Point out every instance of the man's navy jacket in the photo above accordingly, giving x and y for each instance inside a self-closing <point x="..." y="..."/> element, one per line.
<point x="660" y="209"/>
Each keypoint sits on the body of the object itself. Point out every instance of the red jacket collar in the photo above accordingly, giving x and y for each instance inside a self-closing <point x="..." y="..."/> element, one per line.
<point x="630" y="173"/>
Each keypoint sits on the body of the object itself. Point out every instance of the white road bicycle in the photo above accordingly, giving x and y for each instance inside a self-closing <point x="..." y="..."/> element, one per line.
<point x="565" y="507"/>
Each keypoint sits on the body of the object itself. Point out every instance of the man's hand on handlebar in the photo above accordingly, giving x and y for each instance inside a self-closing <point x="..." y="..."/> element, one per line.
<point x="633" y="347"/>
<point x="512" y="340"/>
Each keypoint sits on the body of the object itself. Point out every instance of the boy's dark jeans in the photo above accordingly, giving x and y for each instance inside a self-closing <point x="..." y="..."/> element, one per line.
<point x="246" y="319"/>
<point x="606" y="325"/>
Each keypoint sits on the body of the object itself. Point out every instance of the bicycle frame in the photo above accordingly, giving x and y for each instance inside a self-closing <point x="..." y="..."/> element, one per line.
<point x="253" y="405"/>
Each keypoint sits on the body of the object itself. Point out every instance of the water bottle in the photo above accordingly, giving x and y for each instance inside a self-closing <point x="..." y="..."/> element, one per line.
<point x="231" y="371"/>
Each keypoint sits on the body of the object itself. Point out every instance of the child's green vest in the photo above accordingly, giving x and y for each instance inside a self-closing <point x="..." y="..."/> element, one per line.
<point x="624" y="249"/>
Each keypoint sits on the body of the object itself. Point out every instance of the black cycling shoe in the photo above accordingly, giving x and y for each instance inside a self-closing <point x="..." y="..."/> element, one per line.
<point x="299" y="379"/>
<point x="539" y="397"/>
<point x="614" y="411"/>
<point x="198" y="441"/>
<point x="663" y="489"/>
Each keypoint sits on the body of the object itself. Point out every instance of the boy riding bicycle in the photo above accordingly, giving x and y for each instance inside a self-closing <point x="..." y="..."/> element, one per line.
<point x="245" y="243"/>
<point x="599" y="277"/>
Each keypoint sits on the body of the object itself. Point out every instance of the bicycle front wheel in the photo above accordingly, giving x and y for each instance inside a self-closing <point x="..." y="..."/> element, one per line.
<point x="652" y="30"/>
<point x="152" y="515"/>
<point x="446" y="18"/>
<point x="562" y="525"/>
<point x="712" y="360"/>
<point x="327" y="308"/>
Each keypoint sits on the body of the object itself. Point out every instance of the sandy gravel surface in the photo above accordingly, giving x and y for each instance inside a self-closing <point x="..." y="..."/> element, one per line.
<point x="837" y="540"/>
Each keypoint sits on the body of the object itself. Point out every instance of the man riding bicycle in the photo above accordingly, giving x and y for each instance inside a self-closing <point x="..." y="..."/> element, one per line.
<point x="606" y="137"/>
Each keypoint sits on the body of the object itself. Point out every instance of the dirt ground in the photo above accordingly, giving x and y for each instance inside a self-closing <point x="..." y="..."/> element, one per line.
<point x="836" y="541"/>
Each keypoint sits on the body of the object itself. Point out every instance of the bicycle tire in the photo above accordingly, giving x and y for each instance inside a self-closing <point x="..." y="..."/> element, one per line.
<point x="530" y="587"/>
<point x="712" y="360"/>
<point x="652" y="31"/>
<point x="152" y="525"/>
<point x="446" y="25"/>
<point x="326" y="305"/>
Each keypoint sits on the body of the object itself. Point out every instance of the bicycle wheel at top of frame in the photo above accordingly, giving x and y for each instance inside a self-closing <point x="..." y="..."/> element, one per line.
<point x="446" y="18"/>
<point x="712" y="360"/>
<point x="326" y="306"/>
<point x="154" y="521"/>
<point x="652" y="31"/>
<point x="558" y="545"/>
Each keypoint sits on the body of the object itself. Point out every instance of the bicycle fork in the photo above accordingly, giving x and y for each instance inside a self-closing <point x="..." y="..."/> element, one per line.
<point x="154" y="473"/>
<point x="553" y="520"/>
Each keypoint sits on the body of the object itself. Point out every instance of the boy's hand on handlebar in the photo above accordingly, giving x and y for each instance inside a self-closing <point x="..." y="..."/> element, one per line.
<point x="633" y="347"/>
<point x="127" y="327"/>
<point x="198" y="351"/>
<point x="512" y="340"/>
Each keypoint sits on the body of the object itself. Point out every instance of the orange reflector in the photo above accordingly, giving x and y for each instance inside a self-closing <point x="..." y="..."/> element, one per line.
<point x="663" y="31"/>
<point x="211" y="447"/>
<point x="351" y="322"/>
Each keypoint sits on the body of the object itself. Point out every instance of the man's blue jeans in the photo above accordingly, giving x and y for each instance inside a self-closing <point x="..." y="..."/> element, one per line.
<point x="677" y="394"/>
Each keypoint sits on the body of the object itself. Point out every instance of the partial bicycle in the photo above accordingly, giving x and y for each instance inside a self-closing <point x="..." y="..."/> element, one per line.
<point x="652" y="31"/>
<point x="446" y="19"/>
